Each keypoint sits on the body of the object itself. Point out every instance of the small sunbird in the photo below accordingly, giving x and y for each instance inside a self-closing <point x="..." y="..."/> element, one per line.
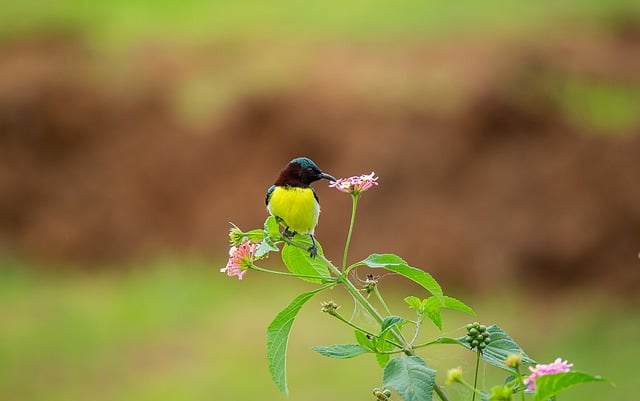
<point x="293" y="202"/>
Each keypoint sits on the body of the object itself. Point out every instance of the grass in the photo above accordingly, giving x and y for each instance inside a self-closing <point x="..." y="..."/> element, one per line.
<point x="119" y="21"/>
<point x="605" y="106"/>
<point x="255" y="47"/>
<point x="180" y="330"/>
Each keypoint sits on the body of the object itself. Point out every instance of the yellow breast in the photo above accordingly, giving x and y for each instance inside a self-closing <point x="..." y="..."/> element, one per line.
<point x="296" y="207"/>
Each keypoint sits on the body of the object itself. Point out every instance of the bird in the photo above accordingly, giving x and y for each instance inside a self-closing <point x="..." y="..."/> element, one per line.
<point x="293" y="202"/>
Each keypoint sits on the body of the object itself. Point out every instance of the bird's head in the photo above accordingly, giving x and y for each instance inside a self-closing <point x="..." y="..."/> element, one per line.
<point x="300" y="172"/>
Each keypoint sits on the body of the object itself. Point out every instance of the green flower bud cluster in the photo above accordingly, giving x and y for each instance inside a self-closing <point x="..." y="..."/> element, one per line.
<point x="370" y="283"/>
<point x="477" y="336"/>
<point x="330" y="307"/>
<point x="237" y="237"/>
<point x="501" y="393"/>
<point x="383" y="394"/>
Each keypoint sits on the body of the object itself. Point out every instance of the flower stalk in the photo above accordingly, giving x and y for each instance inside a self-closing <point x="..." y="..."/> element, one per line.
<point x="354" y="207"/>
<point x="246" y="248"/>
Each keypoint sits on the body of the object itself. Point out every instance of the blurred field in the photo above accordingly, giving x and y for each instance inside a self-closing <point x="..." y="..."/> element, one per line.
<point x="183" y="331"/>
<point x="124" y="23"/>
<point x="506" y="137"/>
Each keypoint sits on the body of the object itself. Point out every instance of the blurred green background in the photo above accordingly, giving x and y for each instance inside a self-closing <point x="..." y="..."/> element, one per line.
<point x="505" y="136"/>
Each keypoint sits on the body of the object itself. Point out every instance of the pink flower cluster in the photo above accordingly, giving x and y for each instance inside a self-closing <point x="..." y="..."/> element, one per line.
<point x="356" y="184"/>
<point x="240" y="259"/>
<point x="557" y="366"/>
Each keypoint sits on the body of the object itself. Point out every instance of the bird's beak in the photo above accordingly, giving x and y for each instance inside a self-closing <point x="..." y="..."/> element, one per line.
<point x="327" y="176"/>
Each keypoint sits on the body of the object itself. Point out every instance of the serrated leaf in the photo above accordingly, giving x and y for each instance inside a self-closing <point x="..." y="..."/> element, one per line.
<point x="396" y="264"/>
<point x="341" y="351"/>
<point x="278" y="337"/>
<point x="432" y="305"/>
<point x="500" y="347"/>
<point x="389" y="322"/>
<point x="298" y="261"/>
<point x="383" y="260"/>
<point x="431" y="309"/>
<point x="456" y="304"/>
<point x="550" y="385"/>
<point x="414" y="303"/>
<point x="410" y="377"/>
<point x="449" y="340"/>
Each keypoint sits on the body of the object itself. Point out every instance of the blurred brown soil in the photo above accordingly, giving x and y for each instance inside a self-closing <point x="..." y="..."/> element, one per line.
<point x="482" y="177"/>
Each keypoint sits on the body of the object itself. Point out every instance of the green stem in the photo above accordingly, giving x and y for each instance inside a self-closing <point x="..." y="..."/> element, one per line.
<point x="348" y="323"/>
<point x="426" y="344"/>
<point x="520" y="382"/>
<point x="475" y="378"/>
<point x="279" y="273"/>
<point x="354" y="206"/>
<point x="415" y="335"/>
<point x="379" y="296"/>
<point x="348" y="269"/>
<point x="472" y="389"/>
<point x="362" y="300"/>
<point x="440" y="393"/>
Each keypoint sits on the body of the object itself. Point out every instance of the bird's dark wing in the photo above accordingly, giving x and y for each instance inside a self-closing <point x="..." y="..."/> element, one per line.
<point x="315" y="195"/>
<point x="269" y="192"/>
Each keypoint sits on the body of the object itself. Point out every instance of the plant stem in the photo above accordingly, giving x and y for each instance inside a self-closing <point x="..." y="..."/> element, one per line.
<point x="415" y="335"/>
<point x="475" y="378"/>
<point x="379" y="296"/>
<point x="354" y="206"/>
<point x="472" y="389"/>
<point x="440" y="393"/>
<point x="362" y="300"/>
<point x="520" y="382"/>
<point x="348" y="323"/>
<point x="279" y="273"/>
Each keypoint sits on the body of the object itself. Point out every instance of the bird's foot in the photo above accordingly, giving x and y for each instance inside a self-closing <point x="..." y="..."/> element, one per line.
<point x="313" y="250"/>
<point x="288" y="234"/>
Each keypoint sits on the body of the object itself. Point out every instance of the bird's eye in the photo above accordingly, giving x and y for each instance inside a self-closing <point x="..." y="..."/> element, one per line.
<point x="310" y="169"/>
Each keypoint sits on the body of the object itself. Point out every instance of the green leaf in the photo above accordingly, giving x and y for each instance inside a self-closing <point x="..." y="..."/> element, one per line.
<point x="410" y="377"/>
<point x="389" y="322"/>
<point x="270" y="230"/>
<point x="382" y="359"/>
<point x="501" y="346"/>
<point x="449" y="340"/>
<point x="550" y="385"/>
<point x="383" y="260"/>
<point x="278" y="338"/>
<point x="381" y="345"/>
<point x="456" y="304"/>
<point x="255" y="235"/>
<point x="414" y="303"/>
<point x="396" y="264"/>
<point x="298" y="261"/>
<point x="376" y="345"/>
<point x="304" y="241"/>
<point x="265" y="247"/>
<point x="341" y="351"/>
<point x="363" y="340"/>
<point x="271" y="226"/>
<point x="431" y="309"/>
<point x="432" y="305"/>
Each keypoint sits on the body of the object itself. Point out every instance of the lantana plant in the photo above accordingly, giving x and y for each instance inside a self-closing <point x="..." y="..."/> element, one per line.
<point x="395" y="341"/>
